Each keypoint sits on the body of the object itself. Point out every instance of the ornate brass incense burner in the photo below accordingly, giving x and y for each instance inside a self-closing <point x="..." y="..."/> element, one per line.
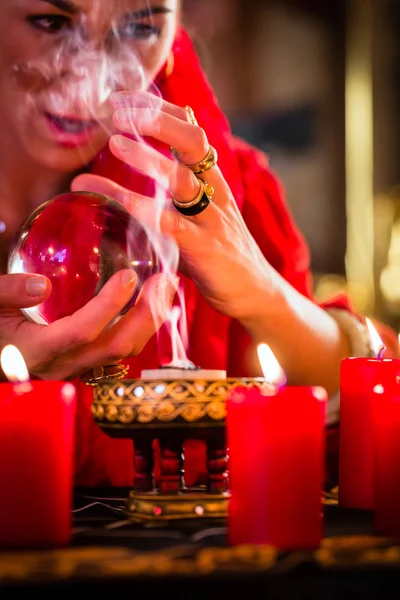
<point x="171" y="411"/>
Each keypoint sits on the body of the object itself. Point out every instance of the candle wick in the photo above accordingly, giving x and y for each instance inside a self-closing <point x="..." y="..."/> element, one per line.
<point x="381" y="352"/>
<point x="280" y="382"/>
<point x="22" y="387"/>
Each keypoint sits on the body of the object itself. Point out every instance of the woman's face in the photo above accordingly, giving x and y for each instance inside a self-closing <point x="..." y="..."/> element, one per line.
<point x="61" y="59"/>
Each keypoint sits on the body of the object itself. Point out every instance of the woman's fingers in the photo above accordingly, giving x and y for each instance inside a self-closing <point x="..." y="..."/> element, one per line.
<point x="132" y="332"/>
<point x="182" y="184"/>
<point x="86" y="324"/>
<point x="101" y="185"/>
<point x="148" y="101"/>
<point x="23" y="290"/>
<point x="172" y="175"/>
<point x="189" y="140"/>
<point x="144" y="114"/>
<point x="155" y="299"/>
<point x="88" y="339"/>
<point x="134" y="203"/>
<point x="169" y="174"/>
<point x="144" y="209"/>
<point x="147" y="115"/>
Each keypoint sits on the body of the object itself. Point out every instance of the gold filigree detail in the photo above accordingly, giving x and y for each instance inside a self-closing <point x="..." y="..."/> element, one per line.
<point x="146" y="414"/>
<point x="193" y="412"/>
<point x="126" y="414"/>
<point x="111" y="413"/>
<point x="166" y="411"/>
<point x="144" y="402"/>
<point x="99" y="411"/>
<point x="216" y="410"/>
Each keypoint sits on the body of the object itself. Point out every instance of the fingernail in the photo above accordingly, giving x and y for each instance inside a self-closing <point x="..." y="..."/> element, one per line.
<point x="120" y="115"/>
<point x="36" y="286"/>
<point x="123" y="118"/>
<point x="128" y="278"/>
<point x="120" y="98"/>
<point x="122" y="143"/>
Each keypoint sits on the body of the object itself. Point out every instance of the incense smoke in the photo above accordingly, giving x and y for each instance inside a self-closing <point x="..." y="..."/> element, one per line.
<point x="76" y="76"/>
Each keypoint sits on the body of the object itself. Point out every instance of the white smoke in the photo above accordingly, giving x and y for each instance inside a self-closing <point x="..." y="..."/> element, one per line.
<point x="80" y="74"/>
<point x="76" y="77"/>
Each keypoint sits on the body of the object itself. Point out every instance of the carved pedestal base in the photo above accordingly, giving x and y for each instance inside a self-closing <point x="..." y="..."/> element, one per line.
<point x="171" y="411"/>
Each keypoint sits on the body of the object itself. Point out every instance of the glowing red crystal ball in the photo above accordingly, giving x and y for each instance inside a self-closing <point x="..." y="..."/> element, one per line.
<point x="79" y="240"/>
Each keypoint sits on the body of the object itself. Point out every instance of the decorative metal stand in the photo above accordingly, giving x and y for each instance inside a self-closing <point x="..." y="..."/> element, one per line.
<point x="170" y="411"/>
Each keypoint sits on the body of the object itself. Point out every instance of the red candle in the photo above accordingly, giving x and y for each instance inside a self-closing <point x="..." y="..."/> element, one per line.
<point x="385" y="403"/>
<point x="276" y="466"/>
<point x="358" y="376"/>
<point x="36" y="463"/>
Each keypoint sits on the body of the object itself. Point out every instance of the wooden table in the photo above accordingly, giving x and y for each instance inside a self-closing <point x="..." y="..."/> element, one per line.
<point x="109" y="554"/>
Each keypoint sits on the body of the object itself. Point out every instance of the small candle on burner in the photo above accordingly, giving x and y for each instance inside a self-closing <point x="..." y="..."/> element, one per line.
<point x="276" y="462"/>
<point x="174" y="371"/>
<point x="358" y="376"/>
<point x="36" y="457"/>
<point x="180" y="366"/>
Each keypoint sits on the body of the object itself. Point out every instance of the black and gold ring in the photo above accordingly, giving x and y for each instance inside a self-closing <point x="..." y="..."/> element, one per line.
<point x="199" y="203"/>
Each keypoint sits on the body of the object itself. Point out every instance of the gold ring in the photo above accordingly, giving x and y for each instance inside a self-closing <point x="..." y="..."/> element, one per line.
<point x="208" y="162"/>
<point x="192" y="118"/>
<point x="210" y="159"/>
<point x="199" y="203"/>
<point x="98" y="374"/>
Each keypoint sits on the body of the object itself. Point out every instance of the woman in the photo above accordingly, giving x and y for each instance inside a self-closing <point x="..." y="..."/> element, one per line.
<point x="77" y="76"/>
<point x="48" y="137"/>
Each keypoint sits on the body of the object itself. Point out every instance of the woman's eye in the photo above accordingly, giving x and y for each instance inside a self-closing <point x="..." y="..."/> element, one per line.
<point x="50" y="23"/>
<point x="138" y="31"/>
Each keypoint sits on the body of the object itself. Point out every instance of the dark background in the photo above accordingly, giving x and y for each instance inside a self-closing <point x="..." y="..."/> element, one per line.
<point x="280" y="69"/>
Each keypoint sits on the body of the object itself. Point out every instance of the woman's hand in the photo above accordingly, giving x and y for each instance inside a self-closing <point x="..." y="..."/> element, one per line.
<point x="216" y="248"/>
<point x="85" y="340"/>
<point x="23" y="290"/>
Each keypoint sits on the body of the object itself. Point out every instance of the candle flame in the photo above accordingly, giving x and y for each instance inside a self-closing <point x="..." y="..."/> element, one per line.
<point x="13" y="364"/>
<point x="378" y="389"/>
<point x="378" y="347"/>
<point x="68" y="393"/>
<point x="271" y="368"/>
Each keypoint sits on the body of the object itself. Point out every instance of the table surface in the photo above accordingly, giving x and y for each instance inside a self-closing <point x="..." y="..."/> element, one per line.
<point x="109" y="553"/>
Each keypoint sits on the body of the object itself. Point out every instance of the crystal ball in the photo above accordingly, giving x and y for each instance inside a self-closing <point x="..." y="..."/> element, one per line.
<point x="79" y="240"/>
